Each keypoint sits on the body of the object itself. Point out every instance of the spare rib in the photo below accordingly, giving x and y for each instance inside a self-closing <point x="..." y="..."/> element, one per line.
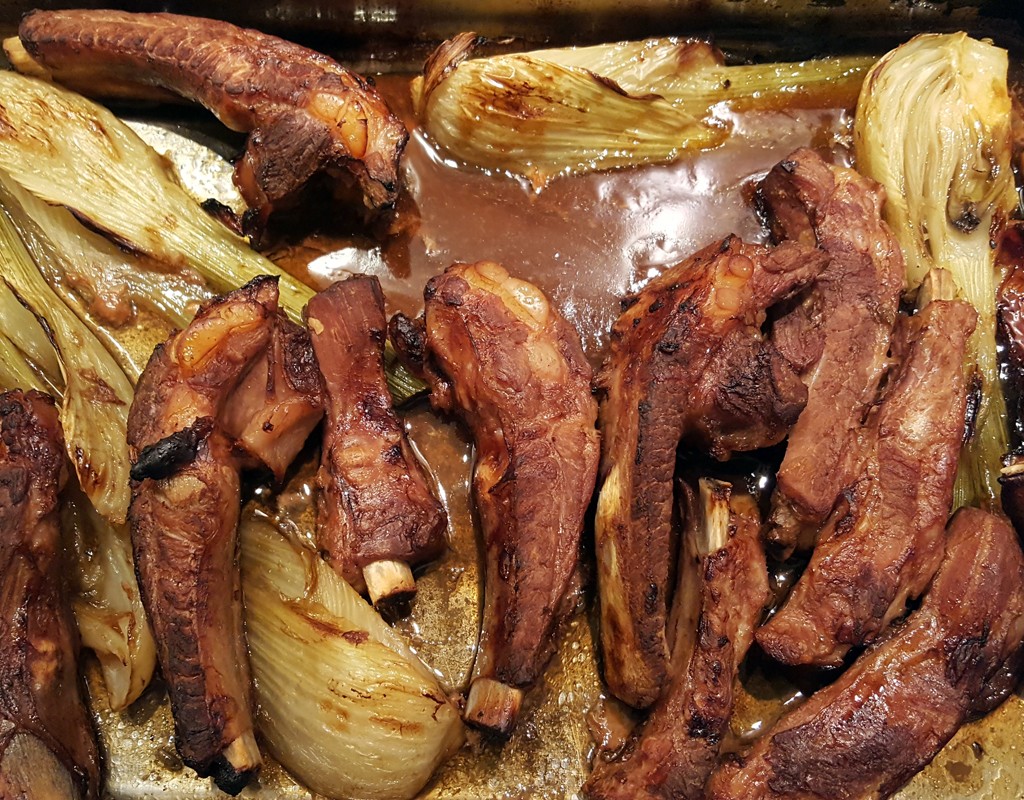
<point x="886" y="538"/>
<point x="47" y="742"/>
<point x="838" y="332"/>
<point x="184" y="515"/>
<point x="722" y="593"/>
<point x="869" y="732"/>
<point x="688" y="362"/>
<point x="306" y="115"/>
<point x="500" y="356"/>
<point x="376" y="516"/>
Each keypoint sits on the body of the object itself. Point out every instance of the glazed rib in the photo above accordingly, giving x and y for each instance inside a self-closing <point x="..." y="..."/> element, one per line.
<point x="376" y="516"/>
<point x="885" y="718"/>
<point x="688" y="363"/>
<point x="305" y="113"/>
<point x="279" y="401"/>
<point x="499" y="355"/>
<point x="1010" y="304"/>
<point x="837" y="334"/>
<point x="47" y="743"/>
<point x="184" y="514"/>
<point x="723" y="591"/>
<point x="884" y="542"/>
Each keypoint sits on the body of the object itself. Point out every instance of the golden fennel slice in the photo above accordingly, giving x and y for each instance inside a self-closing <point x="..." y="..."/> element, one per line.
<point x="71" y="259"/>
<point x="15" y="371"/>
<point x="71" y="152"/>
<point x="112" y="282"/>
<point x="933" y="127"/>
<point x="106" y="600"/>
<point x="573" y="110"/>
<point x="27" y="346"/>
<point x="342" y="701"/>
<point x="97" y="394"/>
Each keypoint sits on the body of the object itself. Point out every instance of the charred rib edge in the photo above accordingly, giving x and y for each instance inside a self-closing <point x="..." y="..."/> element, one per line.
<point x="167" y="457"/>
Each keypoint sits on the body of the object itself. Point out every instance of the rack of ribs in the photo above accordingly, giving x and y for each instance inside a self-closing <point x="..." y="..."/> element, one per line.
<point x="886" y="538"/>
<point x="721" y="594"/>
<point x="869" y="732"/>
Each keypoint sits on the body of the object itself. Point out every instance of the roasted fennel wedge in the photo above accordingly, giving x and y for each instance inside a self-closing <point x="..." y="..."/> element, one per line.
<point x="106" y="601"/>
<point x="100" y="571"/>
<point x="102" y="286"/>
<point x="26" y="354"/>
<point x="71" y="152"/>
<point x="97" y="393"/>
<point x="553" y="112"/>
<point x="933" y="127"/>
<point x="342" y="702"/>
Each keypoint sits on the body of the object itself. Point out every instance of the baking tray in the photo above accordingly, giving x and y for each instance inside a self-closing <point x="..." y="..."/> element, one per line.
<point x="549" y="753"/>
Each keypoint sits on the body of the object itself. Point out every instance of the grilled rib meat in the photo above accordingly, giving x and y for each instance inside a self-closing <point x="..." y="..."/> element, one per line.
<point x="884" y="542"/>
<point x="306" y="114"/>
<point x="47" y="743"/>
<point x="500" y="356"/>
<point x="723" y="589"/>
<point x="1011" y="329"/>
<point x="184" y="514"/>
<point x="279" y="401"/>
<point x="837" y="334"/>
<point x="687" y="362"/>
<point x="376" y="516"/>
<point x="887" y="716"/>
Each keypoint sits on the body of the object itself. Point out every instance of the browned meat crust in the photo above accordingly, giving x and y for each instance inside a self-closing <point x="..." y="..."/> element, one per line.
<point x="375" y="504"/>
<point x="885" y="718"/>
<point x="47" y="743"/>
<point x="687" y="362"/>
<point x="677" y="748"/>
<point x="279" y="401"/>
<point x="885" y="540"/>
<point x="838" y="334"/>
<point x="184" y="515"/>
<point x="498" y="354"/>
<point x="1011" y="330"/>
<point x="307" y="115"/>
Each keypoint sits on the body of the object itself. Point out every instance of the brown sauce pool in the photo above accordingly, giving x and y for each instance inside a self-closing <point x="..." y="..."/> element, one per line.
<point x="585" y="240"/>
